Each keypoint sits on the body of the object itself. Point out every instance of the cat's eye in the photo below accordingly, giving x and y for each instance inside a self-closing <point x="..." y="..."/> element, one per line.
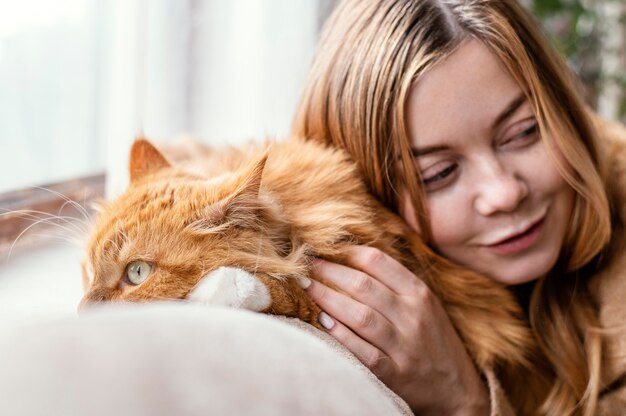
<point x="137" y="272"/>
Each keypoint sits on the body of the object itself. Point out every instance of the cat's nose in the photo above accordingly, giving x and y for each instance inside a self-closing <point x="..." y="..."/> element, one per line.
<point x="88" y="301"/>
<point x="84" y="303"/>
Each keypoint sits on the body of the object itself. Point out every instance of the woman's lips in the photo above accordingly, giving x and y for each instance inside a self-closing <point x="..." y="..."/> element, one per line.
<point x="519" y="242"/>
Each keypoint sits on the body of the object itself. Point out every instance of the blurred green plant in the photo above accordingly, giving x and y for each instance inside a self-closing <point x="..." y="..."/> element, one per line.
<point x="577" y="29"/>
<point x="569" y="22"/>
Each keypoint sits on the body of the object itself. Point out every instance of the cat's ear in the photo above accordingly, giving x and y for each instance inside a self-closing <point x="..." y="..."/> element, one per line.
<point x="248" y="183"/>
<point x="240" y="208"/>
<point x="243" y="205"/>
<point x="145" y="159"/>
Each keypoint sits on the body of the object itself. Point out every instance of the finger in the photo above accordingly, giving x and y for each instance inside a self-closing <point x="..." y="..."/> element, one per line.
<point x="363" y="320"/>
<point x="384" y="268"/>
<point x="358" y="285"/>
<point x="373" y="358"/>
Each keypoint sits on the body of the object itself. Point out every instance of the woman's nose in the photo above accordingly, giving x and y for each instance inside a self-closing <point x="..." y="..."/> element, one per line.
<point x="500" y="191"/>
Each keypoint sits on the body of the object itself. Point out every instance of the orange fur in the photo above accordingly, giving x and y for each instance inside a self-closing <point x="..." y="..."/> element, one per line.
<point x="269" y="210"/>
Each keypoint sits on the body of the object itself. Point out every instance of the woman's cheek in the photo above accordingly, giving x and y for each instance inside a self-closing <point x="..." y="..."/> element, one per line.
<point x="408" y="212"/>
<point x="443" y="230"/>
<point x="449" y="223"/>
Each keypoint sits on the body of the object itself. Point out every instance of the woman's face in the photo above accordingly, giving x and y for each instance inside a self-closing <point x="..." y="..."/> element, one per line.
<point x="496" y="200"/>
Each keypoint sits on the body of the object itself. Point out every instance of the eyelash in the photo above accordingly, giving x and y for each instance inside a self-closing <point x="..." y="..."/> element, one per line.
<point x="443" y="174"/>
<point x="534" y="128"/>
<point x="440" y="175"/>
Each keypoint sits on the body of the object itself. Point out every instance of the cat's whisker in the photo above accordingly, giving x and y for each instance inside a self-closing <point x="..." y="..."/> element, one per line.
<point x="75" y="204"/>
<point x="113" y="243"/>
<point x="39" y="215"/>
<point x="74" y="238"/>
<point x="32" y="213"/>
<point x="125" y="239"/>
<point x="60" y="222"/>
<point x="120" y="233"/>
<point x="40" y="221"/>
<point x="85" y="221"/>
<point x="52" y="221"/>
<point x="72" y="222"/>
<point x="59" y="239"/>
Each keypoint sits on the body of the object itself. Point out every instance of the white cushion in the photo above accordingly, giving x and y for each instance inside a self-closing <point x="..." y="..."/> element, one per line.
<point x="181" y="359"/>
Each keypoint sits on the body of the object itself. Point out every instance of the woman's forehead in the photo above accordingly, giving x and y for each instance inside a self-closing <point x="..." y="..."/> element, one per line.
<point x="468" y="92"/>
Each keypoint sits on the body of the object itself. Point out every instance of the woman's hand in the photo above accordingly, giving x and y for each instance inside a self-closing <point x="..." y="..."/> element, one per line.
<point x="396" y="326"/>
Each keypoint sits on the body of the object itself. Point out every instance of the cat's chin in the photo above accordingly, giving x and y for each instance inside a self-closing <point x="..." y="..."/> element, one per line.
<point x="231" y="287"/>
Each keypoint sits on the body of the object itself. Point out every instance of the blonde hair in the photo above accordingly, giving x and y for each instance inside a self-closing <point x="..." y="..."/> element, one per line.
<point x="372" y="52"/>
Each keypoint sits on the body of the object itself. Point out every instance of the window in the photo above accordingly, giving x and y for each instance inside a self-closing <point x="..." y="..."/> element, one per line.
<point x="81" y="78"/>
<point x="49" y="60"/>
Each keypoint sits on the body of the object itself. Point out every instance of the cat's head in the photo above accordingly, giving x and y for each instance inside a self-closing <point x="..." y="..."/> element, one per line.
<point x="170" y="228"/>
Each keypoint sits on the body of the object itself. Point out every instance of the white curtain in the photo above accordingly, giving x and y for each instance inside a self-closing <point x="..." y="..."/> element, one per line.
<point x="49" y="90"/>
<point x="79" y="79"/>
<point x="225" y="71"/>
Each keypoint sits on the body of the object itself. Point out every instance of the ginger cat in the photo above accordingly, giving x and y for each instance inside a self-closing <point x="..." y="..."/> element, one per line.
<point x="239" y="227"/>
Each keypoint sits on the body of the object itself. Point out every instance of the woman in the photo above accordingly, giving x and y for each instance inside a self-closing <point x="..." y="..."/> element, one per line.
<point x="466" y="123"/>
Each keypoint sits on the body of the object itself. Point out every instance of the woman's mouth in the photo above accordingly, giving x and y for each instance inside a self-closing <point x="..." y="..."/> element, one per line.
<point x="519" y="242"/>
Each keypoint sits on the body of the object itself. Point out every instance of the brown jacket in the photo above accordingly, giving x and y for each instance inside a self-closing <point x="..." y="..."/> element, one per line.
<point x="608" y="287"/>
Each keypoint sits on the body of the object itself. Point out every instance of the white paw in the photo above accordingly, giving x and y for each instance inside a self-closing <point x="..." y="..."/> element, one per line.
<point x="232" y="287"/>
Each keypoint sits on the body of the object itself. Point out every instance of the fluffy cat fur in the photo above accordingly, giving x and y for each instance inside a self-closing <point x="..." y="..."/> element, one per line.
<point x="269" y="210"/>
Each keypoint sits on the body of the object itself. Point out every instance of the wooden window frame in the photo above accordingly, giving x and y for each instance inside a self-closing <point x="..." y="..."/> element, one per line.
<point x="45" y="199"/>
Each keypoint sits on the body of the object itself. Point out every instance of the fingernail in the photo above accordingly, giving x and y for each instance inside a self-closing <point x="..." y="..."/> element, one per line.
<point x="303" y="282"/>
<point x="325" y="320"/>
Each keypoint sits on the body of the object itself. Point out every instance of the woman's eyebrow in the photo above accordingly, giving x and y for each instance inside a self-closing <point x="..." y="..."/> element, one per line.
<point x="426" y="150"/>
<point x="509" y="110"/>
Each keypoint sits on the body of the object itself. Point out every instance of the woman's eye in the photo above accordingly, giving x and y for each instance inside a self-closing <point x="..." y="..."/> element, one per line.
<point x="137" y="272"/>
<point x="438" y="179"/>
<point x="528" y="131"/>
